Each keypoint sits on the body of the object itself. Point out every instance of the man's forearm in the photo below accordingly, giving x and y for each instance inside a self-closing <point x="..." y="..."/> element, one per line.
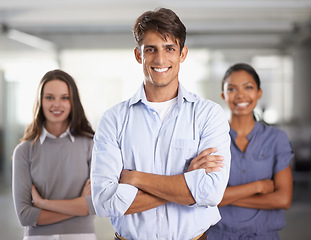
<point x="171" y="188"/>
<point x="144" y="201"/>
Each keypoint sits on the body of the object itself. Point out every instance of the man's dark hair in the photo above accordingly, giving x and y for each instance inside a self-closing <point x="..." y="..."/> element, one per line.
<point x="163" y="21"/>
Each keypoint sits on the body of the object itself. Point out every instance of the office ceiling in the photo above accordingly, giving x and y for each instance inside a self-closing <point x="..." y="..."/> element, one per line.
<point x="259" y="24"/>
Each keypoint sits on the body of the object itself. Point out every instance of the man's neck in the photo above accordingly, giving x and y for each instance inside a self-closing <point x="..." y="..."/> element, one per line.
<point x="161" y="94"/>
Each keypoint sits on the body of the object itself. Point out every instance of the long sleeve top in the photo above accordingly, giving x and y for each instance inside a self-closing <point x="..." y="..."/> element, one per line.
<point x="268" y="152"/>
<point x="132" y="136"/>
<point x="58" y="168"/>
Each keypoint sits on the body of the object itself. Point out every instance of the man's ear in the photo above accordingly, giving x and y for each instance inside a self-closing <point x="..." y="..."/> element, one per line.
<point x="222" y="95"/>
<point x="137" y="55"/>
<point x="183" y="54"/>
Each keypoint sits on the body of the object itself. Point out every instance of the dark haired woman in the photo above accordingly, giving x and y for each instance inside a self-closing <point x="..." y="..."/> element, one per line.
<point x="51" y="165"/>
<point x="260" y="183"/>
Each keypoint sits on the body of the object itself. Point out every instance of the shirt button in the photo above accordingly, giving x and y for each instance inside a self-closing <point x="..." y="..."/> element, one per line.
<point x="244" y="170"/>
<point x="154" y="113"/>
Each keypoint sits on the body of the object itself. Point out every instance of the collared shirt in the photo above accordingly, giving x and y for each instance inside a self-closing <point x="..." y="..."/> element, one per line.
<point x="45" y="134"/>
<point x="267" y="153"/>
<point x="132" y="136"/>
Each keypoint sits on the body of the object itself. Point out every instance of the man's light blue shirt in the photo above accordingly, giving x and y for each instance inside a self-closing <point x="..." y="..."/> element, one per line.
<point x="131" y="136"/>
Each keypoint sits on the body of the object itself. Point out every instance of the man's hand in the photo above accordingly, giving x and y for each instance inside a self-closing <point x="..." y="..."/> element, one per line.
<point x="211" y="163"/>
<point x="127" y="176"/>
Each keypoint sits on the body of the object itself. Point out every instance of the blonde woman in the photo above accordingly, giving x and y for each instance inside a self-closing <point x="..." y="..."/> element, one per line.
<point x="51" y="165"/>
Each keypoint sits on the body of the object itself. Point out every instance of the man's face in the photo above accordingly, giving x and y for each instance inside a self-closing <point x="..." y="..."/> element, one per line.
<point x="161" y="59"/>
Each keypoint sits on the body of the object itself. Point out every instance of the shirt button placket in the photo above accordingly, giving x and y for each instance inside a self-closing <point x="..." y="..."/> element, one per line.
<point x="243" y="163"/>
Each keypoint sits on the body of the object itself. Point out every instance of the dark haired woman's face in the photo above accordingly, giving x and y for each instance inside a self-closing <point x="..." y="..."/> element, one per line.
<point x="56" y="104"/>
<point x="241" y="93"/>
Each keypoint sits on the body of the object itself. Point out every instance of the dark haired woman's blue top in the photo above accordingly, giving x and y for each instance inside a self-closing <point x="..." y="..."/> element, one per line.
<point x="268" y="152"/>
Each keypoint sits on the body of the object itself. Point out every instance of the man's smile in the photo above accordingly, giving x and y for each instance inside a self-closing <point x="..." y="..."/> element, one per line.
<point x="160" y="70"/>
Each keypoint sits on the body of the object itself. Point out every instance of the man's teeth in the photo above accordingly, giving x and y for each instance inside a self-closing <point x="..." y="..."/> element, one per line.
<point x="160" y="69"/>
<point x="242" y="104"/>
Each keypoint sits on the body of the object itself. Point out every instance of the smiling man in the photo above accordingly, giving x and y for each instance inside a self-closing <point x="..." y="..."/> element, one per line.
<point x="161" y="159"/>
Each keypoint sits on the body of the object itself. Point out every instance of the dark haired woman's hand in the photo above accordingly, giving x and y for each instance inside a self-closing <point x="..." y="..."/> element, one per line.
<point x="266" y="186"/>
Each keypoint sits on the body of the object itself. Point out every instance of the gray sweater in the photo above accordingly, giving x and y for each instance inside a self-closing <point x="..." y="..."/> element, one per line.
<point x="59" y="169"/>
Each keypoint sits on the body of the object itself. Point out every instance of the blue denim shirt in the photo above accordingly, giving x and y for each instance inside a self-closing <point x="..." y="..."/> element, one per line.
<point x="131" y="136"/>
<point x="267" y="153"/>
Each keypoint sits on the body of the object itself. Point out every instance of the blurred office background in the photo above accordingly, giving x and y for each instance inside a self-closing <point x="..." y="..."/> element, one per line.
<point x="92" y="41"/>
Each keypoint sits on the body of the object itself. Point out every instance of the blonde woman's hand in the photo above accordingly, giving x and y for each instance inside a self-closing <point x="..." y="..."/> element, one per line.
<point x="87" y="188"/>
<point x="36" y="198"/>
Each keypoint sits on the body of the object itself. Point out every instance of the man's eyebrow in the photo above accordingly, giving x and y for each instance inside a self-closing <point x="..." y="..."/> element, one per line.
<point x="149" y="46"/>
<point x="171" y="45"/>
<point x="164" y="45"/>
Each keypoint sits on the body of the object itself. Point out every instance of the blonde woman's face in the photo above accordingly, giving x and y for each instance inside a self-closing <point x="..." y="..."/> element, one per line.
<point x="56" y="103"/>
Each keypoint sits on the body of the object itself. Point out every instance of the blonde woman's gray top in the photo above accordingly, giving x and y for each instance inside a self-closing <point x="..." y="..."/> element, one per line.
<point x="59" y="168"/>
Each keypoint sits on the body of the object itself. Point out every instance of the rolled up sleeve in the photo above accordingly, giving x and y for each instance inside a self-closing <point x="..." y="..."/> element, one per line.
<point x="110" y="198"/>
<point x="208" y="189"/>
<point x="283" y="151"/>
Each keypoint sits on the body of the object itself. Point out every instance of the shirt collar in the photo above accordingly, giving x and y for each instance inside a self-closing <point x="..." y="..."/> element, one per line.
<point x="255" y="129"/>
<point x="46" y="134"/>
<point x="183" y="94"/>
<point x="139" y="96"/>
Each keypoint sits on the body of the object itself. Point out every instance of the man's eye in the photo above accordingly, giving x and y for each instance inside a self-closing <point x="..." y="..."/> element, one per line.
<point x="149" y="50"/>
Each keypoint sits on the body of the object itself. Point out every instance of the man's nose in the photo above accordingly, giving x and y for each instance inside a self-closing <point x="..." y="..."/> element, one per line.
<point x="160" y="57"/>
